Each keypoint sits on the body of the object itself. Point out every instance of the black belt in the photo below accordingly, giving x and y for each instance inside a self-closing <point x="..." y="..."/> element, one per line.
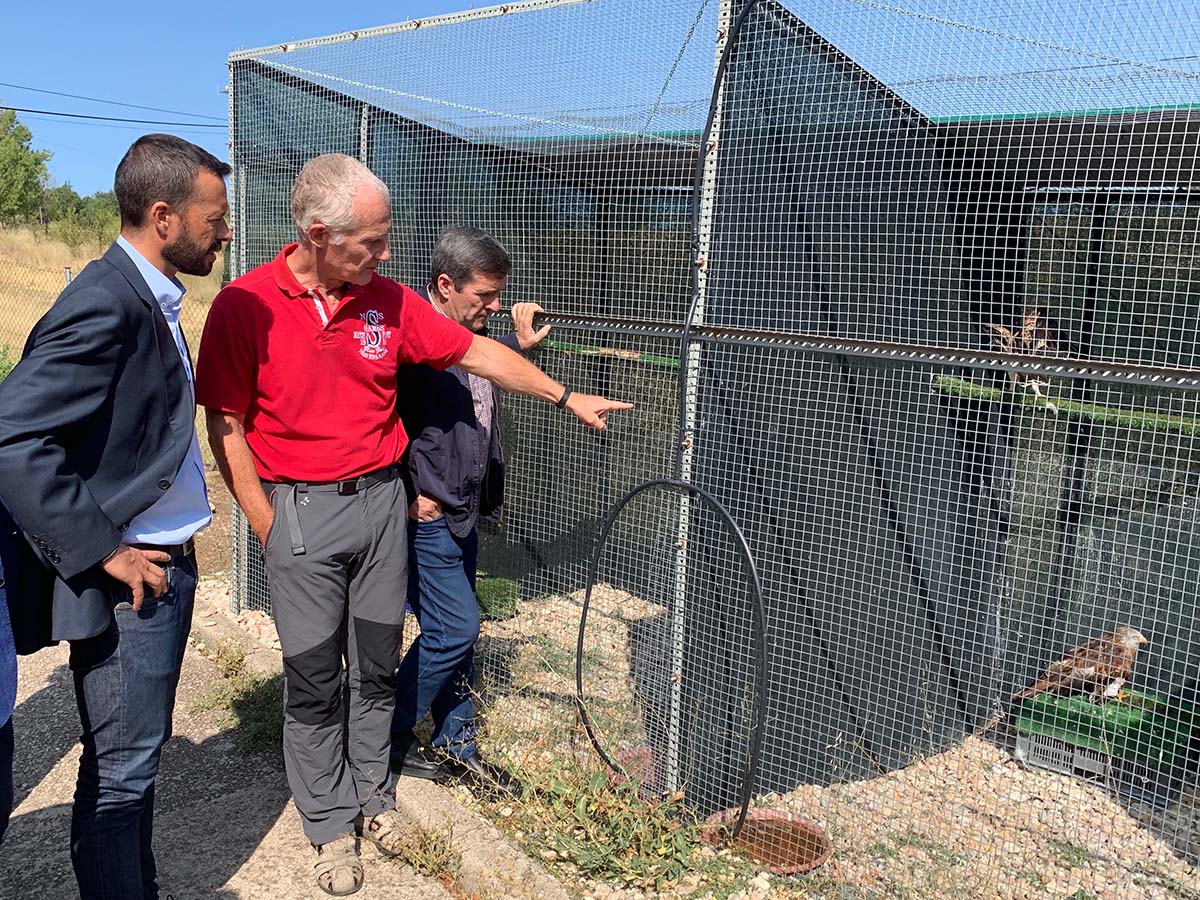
<point x="350" y="486"/>
<point x="176" y="551"/>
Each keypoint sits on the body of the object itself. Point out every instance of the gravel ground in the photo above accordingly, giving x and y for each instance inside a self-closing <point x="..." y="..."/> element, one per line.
<point x="975" y="823"/>
<point x="970" y="822"/>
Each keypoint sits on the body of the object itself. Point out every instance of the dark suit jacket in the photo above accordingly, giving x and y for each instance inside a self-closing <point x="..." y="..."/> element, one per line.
<point x="95" y="422"/>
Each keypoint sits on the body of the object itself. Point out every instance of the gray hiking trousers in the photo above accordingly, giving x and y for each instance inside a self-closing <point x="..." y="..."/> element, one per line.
<point x="337" y="559"/>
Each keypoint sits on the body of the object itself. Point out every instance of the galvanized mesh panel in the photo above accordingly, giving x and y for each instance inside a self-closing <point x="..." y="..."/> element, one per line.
<point x="670" y="675"/>
<point x="940" y="370"/>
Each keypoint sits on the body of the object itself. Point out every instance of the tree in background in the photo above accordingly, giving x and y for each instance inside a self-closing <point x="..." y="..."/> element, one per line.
<point x="102" y="217"/>
<point x="76" y="220"/>
<point x="22" y="172"/>
<point x="58" y="203"/>
<point x="101" y="208"/>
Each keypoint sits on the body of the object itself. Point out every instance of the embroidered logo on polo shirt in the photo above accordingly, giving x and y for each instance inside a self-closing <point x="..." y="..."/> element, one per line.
<point x="374" y="337"/>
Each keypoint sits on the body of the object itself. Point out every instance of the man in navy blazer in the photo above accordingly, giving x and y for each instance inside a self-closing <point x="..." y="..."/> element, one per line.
<point x="101" y="470"/>
<point x="457" y="478"/>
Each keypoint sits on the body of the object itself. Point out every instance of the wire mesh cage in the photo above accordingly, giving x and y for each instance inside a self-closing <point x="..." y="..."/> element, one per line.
<point x="910" y="288"/>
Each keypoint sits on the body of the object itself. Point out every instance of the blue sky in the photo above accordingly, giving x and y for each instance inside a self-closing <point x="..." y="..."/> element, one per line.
<point x="152" y="54"/>
<point x="952" y="59"/>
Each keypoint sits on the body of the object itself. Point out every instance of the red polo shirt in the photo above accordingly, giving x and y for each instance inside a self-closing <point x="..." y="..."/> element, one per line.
<point x="319" y="397"/>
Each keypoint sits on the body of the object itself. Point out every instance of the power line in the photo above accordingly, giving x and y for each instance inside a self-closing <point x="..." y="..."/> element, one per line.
<point x="174" y="112"/>
<point x="49" y="112"/>
<point x="117" y="126"/>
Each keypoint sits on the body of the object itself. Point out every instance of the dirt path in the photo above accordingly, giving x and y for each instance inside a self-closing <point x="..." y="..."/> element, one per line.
<point x="224" y="824"/>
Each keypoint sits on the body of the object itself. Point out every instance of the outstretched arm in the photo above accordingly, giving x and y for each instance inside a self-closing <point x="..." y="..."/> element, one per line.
<point x="512" y="372"/>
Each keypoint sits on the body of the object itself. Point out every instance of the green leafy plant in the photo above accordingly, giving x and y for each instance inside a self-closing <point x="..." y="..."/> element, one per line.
<point x="1069" y="855"/>
<point x="431" y="852"/>
<point x="605" y="828"/>
<point x="497" y="597"/>
<point x="8" y="361"/>
<point x="253" y="702"/>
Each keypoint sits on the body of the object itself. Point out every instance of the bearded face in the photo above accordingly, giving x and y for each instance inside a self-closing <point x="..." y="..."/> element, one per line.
<point x="194" y="242"/>
<point x="190" y="254"/>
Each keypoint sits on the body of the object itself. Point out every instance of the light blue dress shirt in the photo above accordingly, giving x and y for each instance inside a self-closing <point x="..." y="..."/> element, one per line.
<point x="183" y="509"/>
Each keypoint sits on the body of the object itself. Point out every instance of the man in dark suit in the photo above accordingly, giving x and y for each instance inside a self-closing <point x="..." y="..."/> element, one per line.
<point x="101" y="469"/>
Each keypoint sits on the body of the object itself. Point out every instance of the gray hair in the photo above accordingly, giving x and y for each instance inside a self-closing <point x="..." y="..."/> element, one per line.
<point x="463" y="252"/>
<point x="325" y="190"/>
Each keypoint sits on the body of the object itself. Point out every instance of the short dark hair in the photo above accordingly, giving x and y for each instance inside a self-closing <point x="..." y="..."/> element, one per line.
<point x="160" y="167"/>
<point x="463" y="252"/>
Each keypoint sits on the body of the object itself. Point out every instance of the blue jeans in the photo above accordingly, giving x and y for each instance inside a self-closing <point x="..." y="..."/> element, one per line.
<point x="125" y="681"/>
<point x="6" y="782"/>
<point x="436" y="673"/>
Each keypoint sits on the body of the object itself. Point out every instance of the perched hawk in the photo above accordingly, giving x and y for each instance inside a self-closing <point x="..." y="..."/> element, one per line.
<point x="1102" y="665"/>
<point x="1037" y="334"/>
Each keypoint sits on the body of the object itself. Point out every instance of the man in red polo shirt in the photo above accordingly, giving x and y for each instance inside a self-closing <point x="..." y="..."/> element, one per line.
<point x="297" y="372"/>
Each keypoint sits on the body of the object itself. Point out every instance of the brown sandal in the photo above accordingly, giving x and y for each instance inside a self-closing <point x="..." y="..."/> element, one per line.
<point x="387" y="832"/>
<point x="339" y="871"/>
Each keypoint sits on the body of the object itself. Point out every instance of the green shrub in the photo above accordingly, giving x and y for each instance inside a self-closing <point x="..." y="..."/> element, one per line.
<point x="8" y="360"/>
<point x="497" y="597"/>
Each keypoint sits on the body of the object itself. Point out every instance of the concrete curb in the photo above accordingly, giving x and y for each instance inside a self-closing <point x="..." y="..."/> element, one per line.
<point x="492" y="867"/>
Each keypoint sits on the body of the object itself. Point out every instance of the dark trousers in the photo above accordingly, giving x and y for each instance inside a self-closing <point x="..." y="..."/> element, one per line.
<point x="438" y="670"/>
<point x="6" y="782"/>
<point x="125" y="681"/>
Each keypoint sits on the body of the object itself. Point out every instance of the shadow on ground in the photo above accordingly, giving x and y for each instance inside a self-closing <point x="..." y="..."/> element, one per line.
<point x="216" y="805"/>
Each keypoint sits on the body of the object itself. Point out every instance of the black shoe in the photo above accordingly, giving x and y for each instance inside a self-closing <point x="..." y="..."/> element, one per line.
<point x="411" y="759"/>
<point x="472" y="770"/>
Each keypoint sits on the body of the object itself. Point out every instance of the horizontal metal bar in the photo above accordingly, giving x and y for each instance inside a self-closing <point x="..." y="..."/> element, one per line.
<point x="606" y="325"/>
<point x="486" y="12"/>
<point x="889" y="353"/>
<point x="1157" y="198"/>
<point x="1116" y="190"/>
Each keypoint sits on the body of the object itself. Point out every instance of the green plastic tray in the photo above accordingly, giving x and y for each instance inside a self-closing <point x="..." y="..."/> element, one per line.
<point x="1143" y="728"/>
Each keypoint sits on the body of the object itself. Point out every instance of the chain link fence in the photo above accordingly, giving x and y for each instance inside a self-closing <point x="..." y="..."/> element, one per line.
<point x="26" y="292"/>
<point x="35" y="267"/>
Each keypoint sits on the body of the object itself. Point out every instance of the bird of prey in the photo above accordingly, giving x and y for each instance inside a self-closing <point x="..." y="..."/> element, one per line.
<point x="1037" y="334"/>
<point x="1101" y="666"/>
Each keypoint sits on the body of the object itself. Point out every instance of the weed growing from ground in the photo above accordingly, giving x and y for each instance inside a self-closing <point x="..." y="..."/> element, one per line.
<point x="252" y="702"/>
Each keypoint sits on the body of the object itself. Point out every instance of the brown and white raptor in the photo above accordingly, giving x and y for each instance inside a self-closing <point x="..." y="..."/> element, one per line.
<point x="1101" y="666"/>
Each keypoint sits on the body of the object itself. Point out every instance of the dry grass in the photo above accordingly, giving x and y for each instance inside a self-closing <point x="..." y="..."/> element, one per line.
<point x="32" y="274"/>
<point x="251" y="701"/>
